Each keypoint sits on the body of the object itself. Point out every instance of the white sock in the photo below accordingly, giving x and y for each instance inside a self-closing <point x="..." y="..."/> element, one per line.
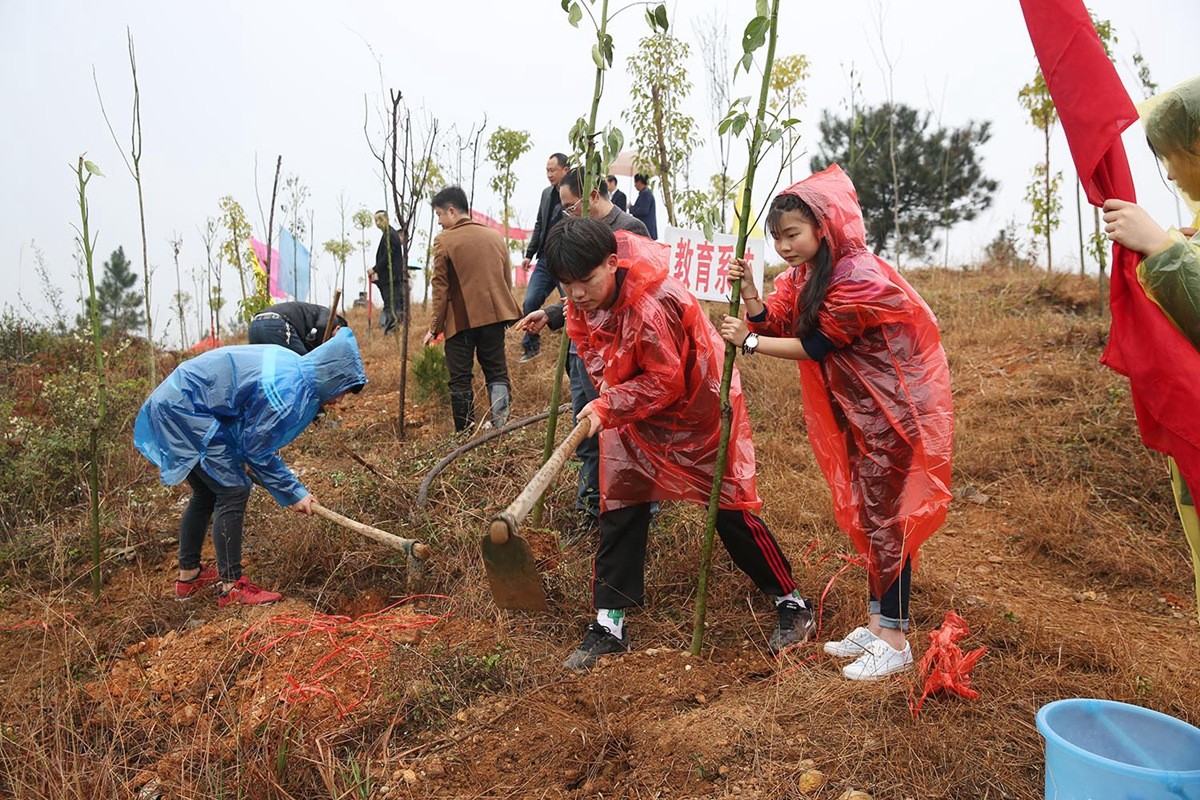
<point x="794" y="597"/>
<point x="613" y="619"/>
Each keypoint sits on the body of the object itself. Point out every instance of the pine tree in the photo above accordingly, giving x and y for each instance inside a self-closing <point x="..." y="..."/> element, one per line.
<point x="119" y="304"/>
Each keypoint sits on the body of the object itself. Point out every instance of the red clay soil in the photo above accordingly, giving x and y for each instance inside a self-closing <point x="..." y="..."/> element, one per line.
<point x="1061" y="552"/>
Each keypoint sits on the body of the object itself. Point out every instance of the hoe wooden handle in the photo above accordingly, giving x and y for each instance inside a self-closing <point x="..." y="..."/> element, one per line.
<point x="506" y="523"/>
<point x="410" y="546"/>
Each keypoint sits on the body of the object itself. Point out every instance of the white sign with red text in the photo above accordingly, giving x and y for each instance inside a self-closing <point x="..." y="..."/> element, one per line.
<point x="703" y="265"/>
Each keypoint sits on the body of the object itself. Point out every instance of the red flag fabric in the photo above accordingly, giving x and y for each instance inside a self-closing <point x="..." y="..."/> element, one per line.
<point x="520" y="234"/>
<point x="1143" y="345"/>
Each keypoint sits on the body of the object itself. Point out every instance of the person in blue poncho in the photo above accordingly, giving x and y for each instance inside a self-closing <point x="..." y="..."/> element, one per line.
<point x="218" y="422"/>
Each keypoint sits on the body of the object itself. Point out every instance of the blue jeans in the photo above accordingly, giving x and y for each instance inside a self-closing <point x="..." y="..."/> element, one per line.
<point x="541" y="286"/>
<point x="275" y="331"/>
<point x="582" y="393"/>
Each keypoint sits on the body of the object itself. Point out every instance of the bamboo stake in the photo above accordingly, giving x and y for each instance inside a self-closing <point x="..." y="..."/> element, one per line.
<point x="735" y="301"/>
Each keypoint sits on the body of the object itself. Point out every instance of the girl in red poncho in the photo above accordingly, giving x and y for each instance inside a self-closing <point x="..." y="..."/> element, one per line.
<point x="657" y="362"/>
<point x="876" y="390"/>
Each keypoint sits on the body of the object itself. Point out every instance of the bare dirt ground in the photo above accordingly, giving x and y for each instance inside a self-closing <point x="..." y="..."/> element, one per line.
<point x="1061" y="550"/>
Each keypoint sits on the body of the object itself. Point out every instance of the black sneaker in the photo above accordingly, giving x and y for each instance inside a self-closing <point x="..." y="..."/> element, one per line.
<point x="795" y="625"/>
<point x="531" y="354"/>
<point x="598" y="642"/>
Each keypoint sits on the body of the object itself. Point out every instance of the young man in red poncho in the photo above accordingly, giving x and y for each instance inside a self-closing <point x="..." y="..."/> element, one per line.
<point x="657" y="362"/>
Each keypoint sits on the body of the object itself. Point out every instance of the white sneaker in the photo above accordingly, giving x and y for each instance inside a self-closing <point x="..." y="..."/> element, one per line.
<point x="878" y="661"/>
<point x="853" y="645"/>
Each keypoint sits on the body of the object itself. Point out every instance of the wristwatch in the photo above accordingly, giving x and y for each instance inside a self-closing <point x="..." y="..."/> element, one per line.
<point x="749" y="343"/>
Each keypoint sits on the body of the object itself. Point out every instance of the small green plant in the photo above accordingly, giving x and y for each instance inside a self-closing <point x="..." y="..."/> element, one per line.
<point x="430" y="375"/>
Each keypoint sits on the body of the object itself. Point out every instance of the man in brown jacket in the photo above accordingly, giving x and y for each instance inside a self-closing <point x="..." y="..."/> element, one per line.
<point x="472" y="304"/>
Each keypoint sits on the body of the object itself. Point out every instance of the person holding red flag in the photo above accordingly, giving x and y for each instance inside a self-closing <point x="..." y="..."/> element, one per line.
<point x="876" y="389"/>
<point x="1170" y="267"/>
<point x="1144" y="344"/>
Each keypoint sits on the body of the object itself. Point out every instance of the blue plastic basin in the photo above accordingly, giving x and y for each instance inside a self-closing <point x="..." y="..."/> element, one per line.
<point x="1103" y="750"/>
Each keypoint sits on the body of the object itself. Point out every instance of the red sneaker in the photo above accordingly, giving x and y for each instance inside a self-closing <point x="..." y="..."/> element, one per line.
<point x="248" y="594"/>
<point x="185" y="589"/>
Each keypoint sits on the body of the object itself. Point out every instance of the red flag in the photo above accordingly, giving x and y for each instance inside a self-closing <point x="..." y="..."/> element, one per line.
<point x="512" y="232"/>
<point x="1143" y="345"/>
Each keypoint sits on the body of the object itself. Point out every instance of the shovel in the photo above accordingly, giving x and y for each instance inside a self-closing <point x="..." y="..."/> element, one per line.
<point x="412" y="547"/>
<point x="507" y="558"/>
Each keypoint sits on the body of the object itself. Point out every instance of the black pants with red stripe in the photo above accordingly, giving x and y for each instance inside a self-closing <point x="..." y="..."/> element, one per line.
<point x="620" y="579"/>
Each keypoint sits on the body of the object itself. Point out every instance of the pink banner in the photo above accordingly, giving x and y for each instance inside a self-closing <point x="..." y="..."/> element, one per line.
<point x="520" y="234"/>
<point x="260" y="250"/>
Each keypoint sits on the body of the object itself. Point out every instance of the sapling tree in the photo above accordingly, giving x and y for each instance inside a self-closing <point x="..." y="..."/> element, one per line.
<point x="465" y="146"/>
<point x="404" y="157"/>
<point x="434" y="179"/>
<point x="1042" y="192"/>
<point x="340" y="248"/>
<point x="293" y="205"/>
<point x="216" y="298"/>
<point x="583" y="136"/>
<point x="714" y="52"/>
<point x="364" y="220"/>
<point x="236" y="250"/>
<point x="787" y="95"/>
<point x="268" y="220"/>
<point x="84" y="172"/>
<point x="181" y="297"/>
<point x="504" y="147"/>
<point x="766" y="130"/>
<point x="664" y="137"/>
<point x="135" y="170"/>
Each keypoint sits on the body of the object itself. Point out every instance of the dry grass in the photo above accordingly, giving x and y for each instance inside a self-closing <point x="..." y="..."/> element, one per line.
<point x="480" y="707"/>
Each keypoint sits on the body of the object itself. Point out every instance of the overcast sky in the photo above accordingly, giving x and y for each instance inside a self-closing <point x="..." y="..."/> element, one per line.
<point x="223" y="82"/>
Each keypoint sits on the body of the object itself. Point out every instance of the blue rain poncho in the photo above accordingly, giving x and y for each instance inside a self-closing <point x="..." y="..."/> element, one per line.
<point x="234" y="408"/>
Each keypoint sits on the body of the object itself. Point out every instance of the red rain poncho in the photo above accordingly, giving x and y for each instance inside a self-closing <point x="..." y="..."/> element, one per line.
<point x="661" y="359"/>
<point x="877" y="408"/>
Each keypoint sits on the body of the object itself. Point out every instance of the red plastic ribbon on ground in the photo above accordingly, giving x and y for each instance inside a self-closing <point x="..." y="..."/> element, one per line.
<point x="944" y="667"/>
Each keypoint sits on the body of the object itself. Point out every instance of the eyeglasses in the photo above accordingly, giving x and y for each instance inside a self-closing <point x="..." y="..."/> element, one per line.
<point x="573" y="209"/>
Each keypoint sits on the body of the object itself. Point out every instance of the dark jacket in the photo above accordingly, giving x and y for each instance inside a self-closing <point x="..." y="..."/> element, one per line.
<point x="643" y="209"/>
<point x="383" y="270"/>
<point x="545" y="219"/>
<point x="618" y="220"/>
<point x="618" y="198"/>
<point x="308" y="320"/>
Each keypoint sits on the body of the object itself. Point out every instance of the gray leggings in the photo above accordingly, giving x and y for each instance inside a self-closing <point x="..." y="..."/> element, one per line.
<point x="226" y="507"/>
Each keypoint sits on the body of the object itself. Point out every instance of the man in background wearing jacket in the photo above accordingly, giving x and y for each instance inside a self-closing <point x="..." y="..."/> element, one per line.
<point x="541" y="285"/>
<point x="472" y="305"/>
<point x="389" y="274"/>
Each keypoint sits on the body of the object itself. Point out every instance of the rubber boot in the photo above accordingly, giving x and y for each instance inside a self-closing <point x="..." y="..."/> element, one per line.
<point x="499" y="395"/>
<point x="463" y="406"/>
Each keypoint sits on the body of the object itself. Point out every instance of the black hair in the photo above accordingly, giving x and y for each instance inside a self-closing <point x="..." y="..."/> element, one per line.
<point x="341" y="321"/>
<point x="380" y="211"/>
<point x="576" y="246"/>
<point x="561" y="158"/>
<point x="608" y="178"/>
<point x="574" y="182"/>
<point x="641" y="178"/>
<point x="808" y="305"/>
<point x="452" y="197"/>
